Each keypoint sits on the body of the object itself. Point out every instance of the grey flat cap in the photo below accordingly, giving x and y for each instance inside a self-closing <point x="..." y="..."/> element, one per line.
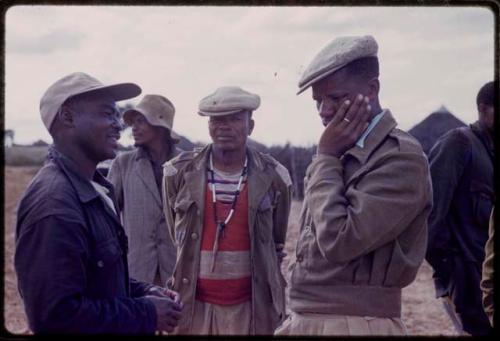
<point x="79" y="83"/>
<point x="337" y="54"/>
<point x="228" y="100"/>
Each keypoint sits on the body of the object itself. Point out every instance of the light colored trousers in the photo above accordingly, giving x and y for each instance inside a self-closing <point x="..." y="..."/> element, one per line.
<point x="326" y="324"/>
<point x="214" y="319"/>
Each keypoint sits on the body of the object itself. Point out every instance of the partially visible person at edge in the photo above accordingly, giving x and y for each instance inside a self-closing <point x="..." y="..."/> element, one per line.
<point x="461" y="164"/>
<point x="137" y="176"/>
<point x="487" y="282"/>
<point x="71" y="250"/>
<point x="227" y="207"/>
<point x="363" y="223"/>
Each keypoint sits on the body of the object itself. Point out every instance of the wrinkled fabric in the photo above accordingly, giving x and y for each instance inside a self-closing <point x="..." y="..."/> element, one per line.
<point x="461" y="165"/>
<point x="269" y="195"/>
<point x="71" y="258"/>
<point x="139" y="200"/>
<point x="363" y="227"/>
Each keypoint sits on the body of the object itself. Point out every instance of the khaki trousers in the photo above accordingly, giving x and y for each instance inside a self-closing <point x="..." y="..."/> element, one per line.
<point x="326" y="324"/>
<point x="214" y="319"/>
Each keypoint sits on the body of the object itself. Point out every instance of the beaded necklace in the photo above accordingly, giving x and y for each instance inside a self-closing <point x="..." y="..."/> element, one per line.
<point x="221" y="225"/>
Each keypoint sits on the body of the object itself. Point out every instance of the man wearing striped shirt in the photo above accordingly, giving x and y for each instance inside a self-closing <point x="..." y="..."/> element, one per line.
<point x="227" y="206"/>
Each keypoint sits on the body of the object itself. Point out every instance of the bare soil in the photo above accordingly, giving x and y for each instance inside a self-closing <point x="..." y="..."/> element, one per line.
<point x="422" y="313"/>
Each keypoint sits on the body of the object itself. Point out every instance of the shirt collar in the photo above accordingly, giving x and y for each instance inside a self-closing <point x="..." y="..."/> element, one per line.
<point x="361" y="141"/>
<point x="86" y="192"/>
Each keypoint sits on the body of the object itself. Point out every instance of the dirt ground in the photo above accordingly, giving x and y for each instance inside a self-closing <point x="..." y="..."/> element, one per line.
<point x="422" y="313"/>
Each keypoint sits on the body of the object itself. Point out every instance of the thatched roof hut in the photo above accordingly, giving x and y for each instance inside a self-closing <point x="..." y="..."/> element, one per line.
<point x="433" y="126"/>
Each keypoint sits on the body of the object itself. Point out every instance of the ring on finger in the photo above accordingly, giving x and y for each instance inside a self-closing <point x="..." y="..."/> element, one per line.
<point x="347" y="120"/>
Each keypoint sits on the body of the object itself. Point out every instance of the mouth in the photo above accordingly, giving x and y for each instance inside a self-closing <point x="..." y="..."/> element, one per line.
<point x="114" y="138"/>
<point x="224" y="138"/>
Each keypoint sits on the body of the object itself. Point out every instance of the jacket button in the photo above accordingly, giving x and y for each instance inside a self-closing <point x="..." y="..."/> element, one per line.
<point x="100" y="263"/>
<point x="300" y="258"/>
<point x="194" y="236"/>
<point x="185" y="280"/>
<point x="307" y="228"/>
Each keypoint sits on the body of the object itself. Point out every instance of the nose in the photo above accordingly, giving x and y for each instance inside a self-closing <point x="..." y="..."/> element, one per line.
<point x="325" y="110"/>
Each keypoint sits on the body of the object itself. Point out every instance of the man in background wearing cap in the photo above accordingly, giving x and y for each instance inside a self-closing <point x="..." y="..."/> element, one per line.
<point x="137" y="176"/>
<point x="71" y="250"/>
<point x="367" y="199"/>
<point x="227" y="209"/>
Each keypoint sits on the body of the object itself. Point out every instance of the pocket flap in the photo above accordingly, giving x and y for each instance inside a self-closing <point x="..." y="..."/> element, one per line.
<point x="107" y="253"/>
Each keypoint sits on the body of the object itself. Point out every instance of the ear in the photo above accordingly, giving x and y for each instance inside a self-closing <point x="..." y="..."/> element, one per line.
<point x="373" y="87"/>
<point x="481" y="108"/>
<point x="251" y="124"/>
<point x="65" y="116"/>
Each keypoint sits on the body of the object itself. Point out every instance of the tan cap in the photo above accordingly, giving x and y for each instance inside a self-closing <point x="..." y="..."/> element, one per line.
<point x="228" y="100"/>
<point x="337" y="54"/>
<point x="79" y="83"/>
<point x="157" y="110"/>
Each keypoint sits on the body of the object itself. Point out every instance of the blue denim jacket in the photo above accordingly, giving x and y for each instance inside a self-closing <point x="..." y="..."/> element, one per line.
<point x="71" y="258"/>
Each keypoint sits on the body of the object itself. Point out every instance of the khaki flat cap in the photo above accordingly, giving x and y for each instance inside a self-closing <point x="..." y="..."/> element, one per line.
<point x="157" y="110"/>
<point x="228" y="100"/>
<point x="337" y="54"/>
<point x="79" y="83"/>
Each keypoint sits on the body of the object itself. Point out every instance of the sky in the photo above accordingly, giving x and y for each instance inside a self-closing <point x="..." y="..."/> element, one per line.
<point x="429" y="57"/>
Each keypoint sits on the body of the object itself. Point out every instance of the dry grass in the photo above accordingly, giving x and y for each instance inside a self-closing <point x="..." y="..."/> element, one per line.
<point x="422" y="314"/>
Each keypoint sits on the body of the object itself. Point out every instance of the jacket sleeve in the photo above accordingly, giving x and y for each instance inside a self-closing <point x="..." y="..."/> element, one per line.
<point x="282" y="207"/>
<point x="169" y="195"/>
<point x="138" y="289"/>
<point x="356" y="220"/>
<point x="447" y="161"/>
<point x="52" y="264"/>
<point x="487" y="282"/>
<point x="115" y="177"/>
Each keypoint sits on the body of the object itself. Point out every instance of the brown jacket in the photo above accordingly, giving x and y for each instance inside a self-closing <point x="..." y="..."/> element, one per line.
<point x="140" y="203"/>
<point x="269" y="194"/>
<point x="363" y="226"/>
<point x="487" y="275"/>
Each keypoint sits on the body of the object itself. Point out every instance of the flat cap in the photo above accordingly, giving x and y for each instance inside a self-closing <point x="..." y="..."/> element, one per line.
<point x="228" y="100"/>
<point x="337" y="54"/>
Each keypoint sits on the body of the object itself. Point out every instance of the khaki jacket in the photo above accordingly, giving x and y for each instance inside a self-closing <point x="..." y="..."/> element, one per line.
<point x="140" y="203"/>
<point x="487" y="273"/>
<point x="363" y="226"/>
<point x="269" y="194"/>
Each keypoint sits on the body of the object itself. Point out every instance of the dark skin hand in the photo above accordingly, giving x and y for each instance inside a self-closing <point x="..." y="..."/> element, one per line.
<point x="168" y="308"/>
<point x="341" y="134"/>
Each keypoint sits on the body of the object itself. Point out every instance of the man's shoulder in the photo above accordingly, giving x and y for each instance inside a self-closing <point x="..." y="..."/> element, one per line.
<point x="274" y="164"/>
<point x="125" y="156"/>
<point x="406" y="142"/>
<point x="49" y="192"/>
<point x="180" y="162"/>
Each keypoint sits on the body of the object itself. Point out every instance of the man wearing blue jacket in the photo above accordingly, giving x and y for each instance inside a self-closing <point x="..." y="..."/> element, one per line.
<point x="71" y="249"/>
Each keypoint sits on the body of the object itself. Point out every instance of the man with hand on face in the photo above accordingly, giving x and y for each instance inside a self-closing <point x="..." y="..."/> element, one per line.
<point x="71" y="250"/>
<point x="227" y="208"/>
<point x="137" y="176"/>
<point x="363" y="223"/>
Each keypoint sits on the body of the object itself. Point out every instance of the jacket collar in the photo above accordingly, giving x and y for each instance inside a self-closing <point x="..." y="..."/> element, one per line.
<point x="84" y="189"/>
<point x="258" y="180"/>
<point x="484" y="136"/>
<point x="386" y="124"/>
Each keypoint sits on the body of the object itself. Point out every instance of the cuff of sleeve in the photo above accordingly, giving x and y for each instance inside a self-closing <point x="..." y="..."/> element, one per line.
<point x="150" y="325"/>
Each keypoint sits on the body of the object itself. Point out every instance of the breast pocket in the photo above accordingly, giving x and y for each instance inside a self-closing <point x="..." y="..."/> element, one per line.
<point x="184" y="215"/>
<point x="264" y="219"/>
<point x="108" y="268"/>
<point x="482" y="201"/>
